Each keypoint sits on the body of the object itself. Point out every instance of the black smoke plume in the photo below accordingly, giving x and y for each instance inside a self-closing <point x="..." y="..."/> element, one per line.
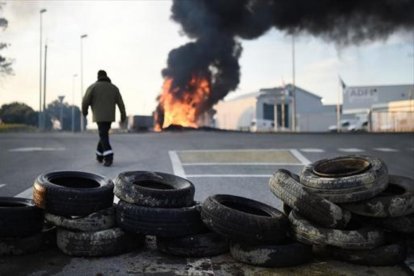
<point x="217" y="26"/>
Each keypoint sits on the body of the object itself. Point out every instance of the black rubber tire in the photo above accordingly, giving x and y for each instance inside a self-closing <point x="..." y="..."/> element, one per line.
<point x="395" y="201"/>
<point x="350" y="188"/>
<point x="163" y="222"/>
<point x="154" y="189"/>
<point x="282" y="255"/>
<point x="19" y="217"/>
<point x="100" y="220"/>
<point x="21" y="245"/>
<point x="199" y="245"/>
<point x="404" y="224"/>
<point x="244" y="219"/>
<point x="72" y="193"/>
<point x="285" y="186"/>
<point x="101" y="243"/>
<point x="362" y="238"/>
<point x="389" y="254"/>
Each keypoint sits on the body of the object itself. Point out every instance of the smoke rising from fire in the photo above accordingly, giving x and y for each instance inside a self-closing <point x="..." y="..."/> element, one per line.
<point x="216" y="27"/>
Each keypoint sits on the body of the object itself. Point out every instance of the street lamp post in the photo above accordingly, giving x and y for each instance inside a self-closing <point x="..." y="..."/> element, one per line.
<point x="44" y="88"/>
<point x="73" y="102"/>
<point x="40" y="70"/>
<point x="81" y="78"/>
<point x="294" y="85"/>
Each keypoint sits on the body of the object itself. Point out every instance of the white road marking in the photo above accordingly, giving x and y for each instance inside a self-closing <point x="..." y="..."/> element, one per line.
<point x="228" y="175"/>
<point x="224" y="150"/>
<point x="176" y="164"/>
<point x="2" y="185"/>
<point x="350" y="150"/>
<point x="312" y="150"/>
<point x="28" y="193"/>
<point x="300" y="157"/>
<point x="386" y="149"/>
<point x="241" y="164"/>
<point x="31" y="149"/>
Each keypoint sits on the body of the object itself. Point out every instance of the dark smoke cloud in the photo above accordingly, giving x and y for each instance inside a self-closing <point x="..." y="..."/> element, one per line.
<point x="341" y="21"/>
<point x="216" y="26"/>
<point x="3" y="21"/>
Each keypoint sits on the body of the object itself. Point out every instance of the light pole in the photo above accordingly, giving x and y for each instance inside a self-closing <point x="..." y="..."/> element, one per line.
<point x="40" y="70"/>
<point x="81" y="78"/>
<point x="73" y="101"/>
<point x="44" y="88"/>
<point x="294" y="85"/>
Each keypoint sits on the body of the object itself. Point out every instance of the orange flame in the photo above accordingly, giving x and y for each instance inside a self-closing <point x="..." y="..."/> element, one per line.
<point x="183" y="111"/>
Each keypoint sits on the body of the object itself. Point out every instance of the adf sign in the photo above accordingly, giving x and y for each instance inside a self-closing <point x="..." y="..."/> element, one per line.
<point x="359" y="94"/>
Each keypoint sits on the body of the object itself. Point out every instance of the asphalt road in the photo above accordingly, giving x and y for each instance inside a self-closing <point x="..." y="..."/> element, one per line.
<point x="216" y="162"/>
<point x="24" y="156"/>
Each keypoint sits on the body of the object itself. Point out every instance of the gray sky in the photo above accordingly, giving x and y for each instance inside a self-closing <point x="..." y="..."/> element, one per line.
<point x="131" y="41"/>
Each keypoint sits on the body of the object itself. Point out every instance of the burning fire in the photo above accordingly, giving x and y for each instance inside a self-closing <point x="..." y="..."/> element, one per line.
<point x="184" y="110"/>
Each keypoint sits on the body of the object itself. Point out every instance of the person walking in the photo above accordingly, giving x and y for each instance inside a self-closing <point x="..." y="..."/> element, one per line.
<point x="102" y="96"/>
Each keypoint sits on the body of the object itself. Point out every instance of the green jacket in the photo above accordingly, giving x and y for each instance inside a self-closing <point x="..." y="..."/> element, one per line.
<point x="102" y="96"/>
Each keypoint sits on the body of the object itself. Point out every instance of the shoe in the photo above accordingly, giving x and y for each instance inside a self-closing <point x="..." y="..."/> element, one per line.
<point x="107" y="163"/>
<point x="99" y="159"/>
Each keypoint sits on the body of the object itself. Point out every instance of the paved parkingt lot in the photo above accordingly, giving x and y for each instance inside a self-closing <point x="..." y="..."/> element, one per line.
<point x="216" y="162"/>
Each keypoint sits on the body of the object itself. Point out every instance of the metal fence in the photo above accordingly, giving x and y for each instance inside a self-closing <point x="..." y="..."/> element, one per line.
<point x="392" y="121"/>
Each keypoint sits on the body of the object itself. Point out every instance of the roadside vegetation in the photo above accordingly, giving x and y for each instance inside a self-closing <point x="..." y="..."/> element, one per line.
<point x="19" y="116"/>
<point x="16" y="128"/>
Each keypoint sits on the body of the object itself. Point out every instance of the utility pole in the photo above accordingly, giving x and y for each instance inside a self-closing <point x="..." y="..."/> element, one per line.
<point x="294" y="85"/>
<point x="44" y="89"/>
<point x="81" y="79"/>
<point x="73" y="102"/>
<point x="40" y="70"/>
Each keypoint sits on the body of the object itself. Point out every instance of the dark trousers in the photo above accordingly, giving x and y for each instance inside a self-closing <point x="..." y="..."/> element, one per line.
<point x="104" y="149"/>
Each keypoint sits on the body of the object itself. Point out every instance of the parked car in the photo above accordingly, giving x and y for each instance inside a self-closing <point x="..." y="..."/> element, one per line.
<point x="343" y="126"/>
<point x="350" y="126"/>
<point x="360" y="126"/>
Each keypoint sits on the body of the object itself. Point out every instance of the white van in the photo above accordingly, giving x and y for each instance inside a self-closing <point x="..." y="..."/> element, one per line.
<point x="258" y="125"/>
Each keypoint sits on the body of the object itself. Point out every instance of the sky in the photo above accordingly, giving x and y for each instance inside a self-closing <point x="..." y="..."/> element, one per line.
<point x="131" y="41"/>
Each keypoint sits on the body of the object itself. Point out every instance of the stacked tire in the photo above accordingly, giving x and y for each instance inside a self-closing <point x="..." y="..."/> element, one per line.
<point x="323" y="201"/>
<point x="80" y="204"/>
<point x="257" y="232"/>
<point x="162" y="205"/>
<point x="21" y="224"/>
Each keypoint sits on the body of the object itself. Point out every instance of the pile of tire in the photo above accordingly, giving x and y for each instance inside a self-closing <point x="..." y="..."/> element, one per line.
<point x="257" y="232"/>
<point x="330" y="203"/>
<point x="80" y="205"/>
<point x="21" y="224"/>
<point x="162" y="205"/>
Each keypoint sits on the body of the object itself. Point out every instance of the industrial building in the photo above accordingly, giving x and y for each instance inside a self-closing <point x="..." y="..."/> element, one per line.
<point x="384" y="107"/>
<point x="366" y="108"/>
<point x="273" y="109"/>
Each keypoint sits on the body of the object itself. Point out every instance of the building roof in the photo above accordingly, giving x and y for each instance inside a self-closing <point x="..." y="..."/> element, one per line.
<point x="274" y="90"/>
<point x="381" y="86"/>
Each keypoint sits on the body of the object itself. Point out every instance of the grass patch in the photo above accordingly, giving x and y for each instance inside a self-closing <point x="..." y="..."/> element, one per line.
<point x="16" y="128"/>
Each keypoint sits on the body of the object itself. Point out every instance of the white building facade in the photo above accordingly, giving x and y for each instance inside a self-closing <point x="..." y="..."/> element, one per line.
<point x="273" y="109"/>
